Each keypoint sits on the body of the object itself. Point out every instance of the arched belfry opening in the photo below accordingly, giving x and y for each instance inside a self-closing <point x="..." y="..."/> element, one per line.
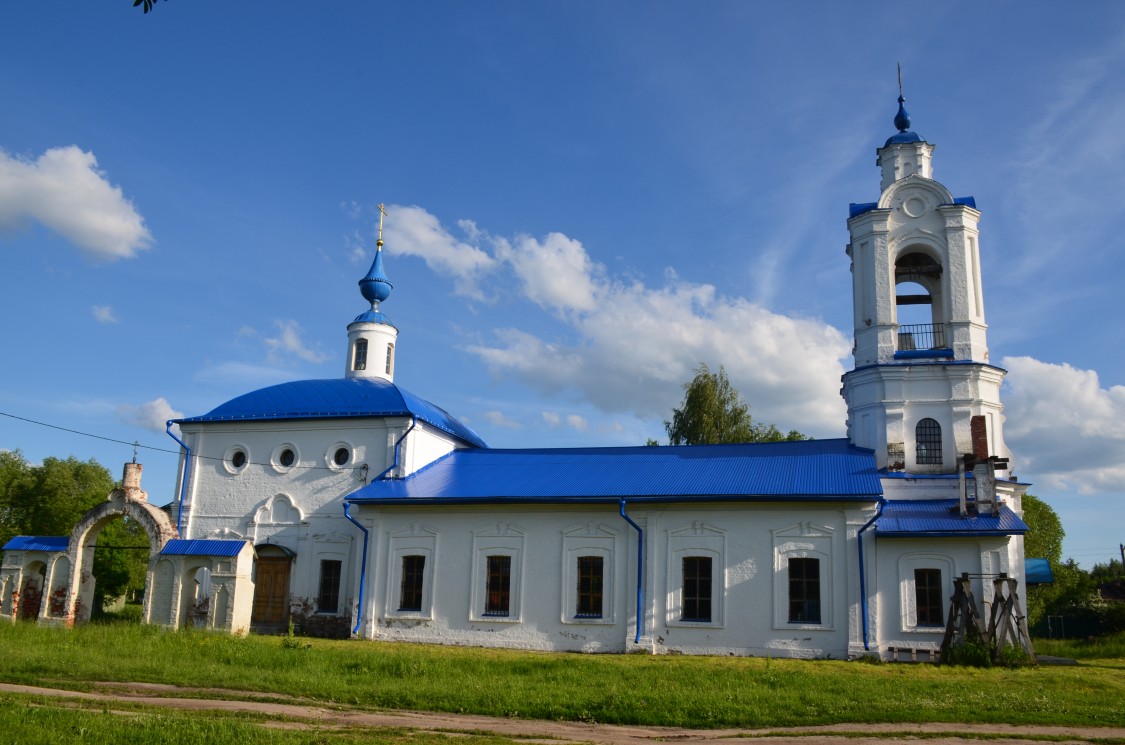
<point x="918" y="303"/>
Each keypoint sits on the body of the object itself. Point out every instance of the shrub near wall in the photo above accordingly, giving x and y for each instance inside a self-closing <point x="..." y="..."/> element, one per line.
<point x="307" y="622"/>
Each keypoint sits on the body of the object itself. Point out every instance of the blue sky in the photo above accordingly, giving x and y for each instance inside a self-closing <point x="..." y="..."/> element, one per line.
<point x="586" y="200"/>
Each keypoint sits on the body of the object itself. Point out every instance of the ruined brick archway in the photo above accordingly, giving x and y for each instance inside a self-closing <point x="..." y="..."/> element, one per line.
<point x="73" y="582"/>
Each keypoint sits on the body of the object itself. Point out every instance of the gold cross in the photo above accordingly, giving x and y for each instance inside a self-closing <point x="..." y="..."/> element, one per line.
<point x="382" y="214"/>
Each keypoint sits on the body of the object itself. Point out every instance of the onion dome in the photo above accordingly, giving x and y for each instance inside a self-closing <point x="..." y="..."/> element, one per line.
<point x="902" y="124"/>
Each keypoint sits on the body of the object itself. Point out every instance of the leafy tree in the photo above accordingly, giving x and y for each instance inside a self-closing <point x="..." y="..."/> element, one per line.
<point x="1073" y="586"/>
<point x="1045" y="539"/>
<point x="1108" y="572"/>
<point x="51" y="498"/>
<point x="713" y="412"/>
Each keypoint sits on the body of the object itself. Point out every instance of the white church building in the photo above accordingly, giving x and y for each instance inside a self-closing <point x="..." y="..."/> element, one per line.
<point x="355" y="508"/>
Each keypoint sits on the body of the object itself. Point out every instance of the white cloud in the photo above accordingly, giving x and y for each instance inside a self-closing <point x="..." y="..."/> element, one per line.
<point x="629" y="347"/>
<point x="497" y="418"/>
<point x="104" y="314"/>
<point x="551" y="418"/>
<point x="64" y="191"/>
<point x="576" y="422"/>
<point x="556" y="273"/>
<point x="150" y="415"/>
<point x="1065" y="430"/>
<point x="289" y="342"/>
<point x="412" y="231"/>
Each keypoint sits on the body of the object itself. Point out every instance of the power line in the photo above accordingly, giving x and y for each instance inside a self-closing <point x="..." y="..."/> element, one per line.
<point x="153" y="447"/>
<point x="87" y="434"/>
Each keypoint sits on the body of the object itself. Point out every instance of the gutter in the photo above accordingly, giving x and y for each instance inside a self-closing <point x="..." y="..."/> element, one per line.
<point x="366" y="534"/>
<point x="640" y="574"/>
<point x="610" y="499"/>
<point x="362" y="567"/>
<point x="394" y="465"/>
<point x="187" y="473"/>
<point x="863" y="573"/>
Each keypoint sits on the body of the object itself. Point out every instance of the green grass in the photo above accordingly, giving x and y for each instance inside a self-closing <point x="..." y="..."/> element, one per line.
<point x="28" y="720"/>
<point x="1099" y="648"/>
<point x="627" y="689"/>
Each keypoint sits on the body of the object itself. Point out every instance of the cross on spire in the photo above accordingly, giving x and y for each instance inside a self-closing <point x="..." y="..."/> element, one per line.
<point x="382" y="214"/>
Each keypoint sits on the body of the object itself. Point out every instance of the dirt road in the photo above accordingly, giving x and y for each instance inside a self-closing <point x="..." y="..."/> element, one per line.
<point x="297" y="713"/>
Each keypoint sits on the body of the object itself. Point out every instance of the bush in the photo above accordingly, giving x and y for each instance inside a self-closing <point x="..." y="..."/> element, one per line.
<point x="972" y="652"/>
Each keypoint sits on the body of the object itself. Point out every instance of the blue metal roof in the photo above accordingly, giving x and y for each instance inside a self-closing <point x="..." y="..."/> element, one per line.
<point x="826" y="470"/>
<point x="1037" y="572"/>
<point x="902" y="138"/>
<point x="335" y="399"/>
<point x="374" y="316"/>
<point x="38" y="543"/>
<point x="861" y="207"/>
<point x="942" y="517"/>
<point x="202" y="547"/>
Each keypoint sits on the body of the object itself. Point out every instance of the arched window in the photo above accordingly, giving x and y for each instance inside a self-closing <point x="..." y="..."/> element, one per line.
<point x="359" y="361"/>
<point x="390" y="359"/>
<point x="927" y="440"/>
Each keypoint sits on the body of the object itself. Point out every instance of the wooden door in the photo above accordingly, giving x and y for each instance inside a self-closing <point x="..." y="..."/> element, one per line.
<point x="271" y="594"/>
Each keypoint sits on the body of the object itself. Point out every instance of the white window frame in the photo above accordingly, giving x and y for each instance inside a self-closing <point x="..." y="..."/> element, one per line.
<point x="228" y="457"/>
<point x="803" y="541"/>
<point x="505" y="539"/>
<point x="275" y="457"/>
<point x="908" y="600"/>
<point x="588" y="540"/>
<point x="330" y="456"/>
<point x="417" y="540"/>
<point x="696" y="539"/>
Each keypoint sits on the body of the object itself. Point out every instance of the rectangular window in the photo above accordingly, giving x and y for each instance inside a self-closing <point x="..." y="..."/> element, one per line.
<point x="697" y="589"/>
<point x="927" y="597"/>
<point x="590" y="579"/>
<point x="390" y="359"/>
<point x="360" y="361"/>
<point x="804" y="591"/>
<point x="413" y="569"/>
<point x="328" y="597"/>
<point x="498" y="586"/>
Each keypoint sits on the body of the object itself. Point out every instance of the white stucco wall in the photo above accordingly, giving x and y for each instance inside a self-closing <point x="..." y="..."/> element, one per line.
<point x="299" y="507"/>
<point x="750" y="545"/>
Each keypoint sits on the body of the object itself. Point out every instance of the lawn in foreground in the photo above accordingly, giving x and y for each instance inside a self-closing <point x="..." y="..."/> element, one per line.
<point x="26" y="720"/>
<point x="622" y="689"/>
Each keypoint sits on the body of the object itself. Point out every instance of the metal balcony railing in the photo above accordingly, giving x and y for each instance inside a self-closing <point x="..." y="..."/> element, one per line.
<point x="921" y="336"/>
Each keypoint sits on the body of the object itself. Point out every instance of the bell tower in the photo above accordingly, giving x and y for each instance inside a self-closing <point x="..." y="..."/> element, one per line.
<point x="372" y="336"/>
<point x="921" y="370"/>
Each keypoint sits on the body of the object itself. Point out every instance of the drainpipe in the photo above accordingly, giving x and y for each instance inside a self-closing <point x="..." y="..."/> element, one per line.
<point x="362" y="567"/>
<point x="187" y="474"/>
<point x="366" y="534"/>
<point x="640" y="575"/>
<point x="394" y="465"/>
<point x="863" y="574"/>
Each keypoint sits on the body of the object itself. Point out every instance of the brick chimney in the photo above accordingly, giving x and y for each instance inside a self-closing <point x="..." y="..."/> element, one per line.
<point x="979" y="431"/>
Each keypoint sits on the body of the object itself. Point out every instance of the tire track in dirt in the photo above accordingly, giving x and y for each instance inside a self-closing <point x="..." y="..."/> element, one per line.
<point x="282" y="711"/>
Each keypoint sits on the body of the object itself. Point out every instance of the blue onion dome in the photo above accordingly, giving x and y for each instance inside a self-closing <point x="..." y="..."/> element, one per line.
<point x="902" y="119"/>
<point x="375" y="286"/>
<point x="902" y="124"/>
